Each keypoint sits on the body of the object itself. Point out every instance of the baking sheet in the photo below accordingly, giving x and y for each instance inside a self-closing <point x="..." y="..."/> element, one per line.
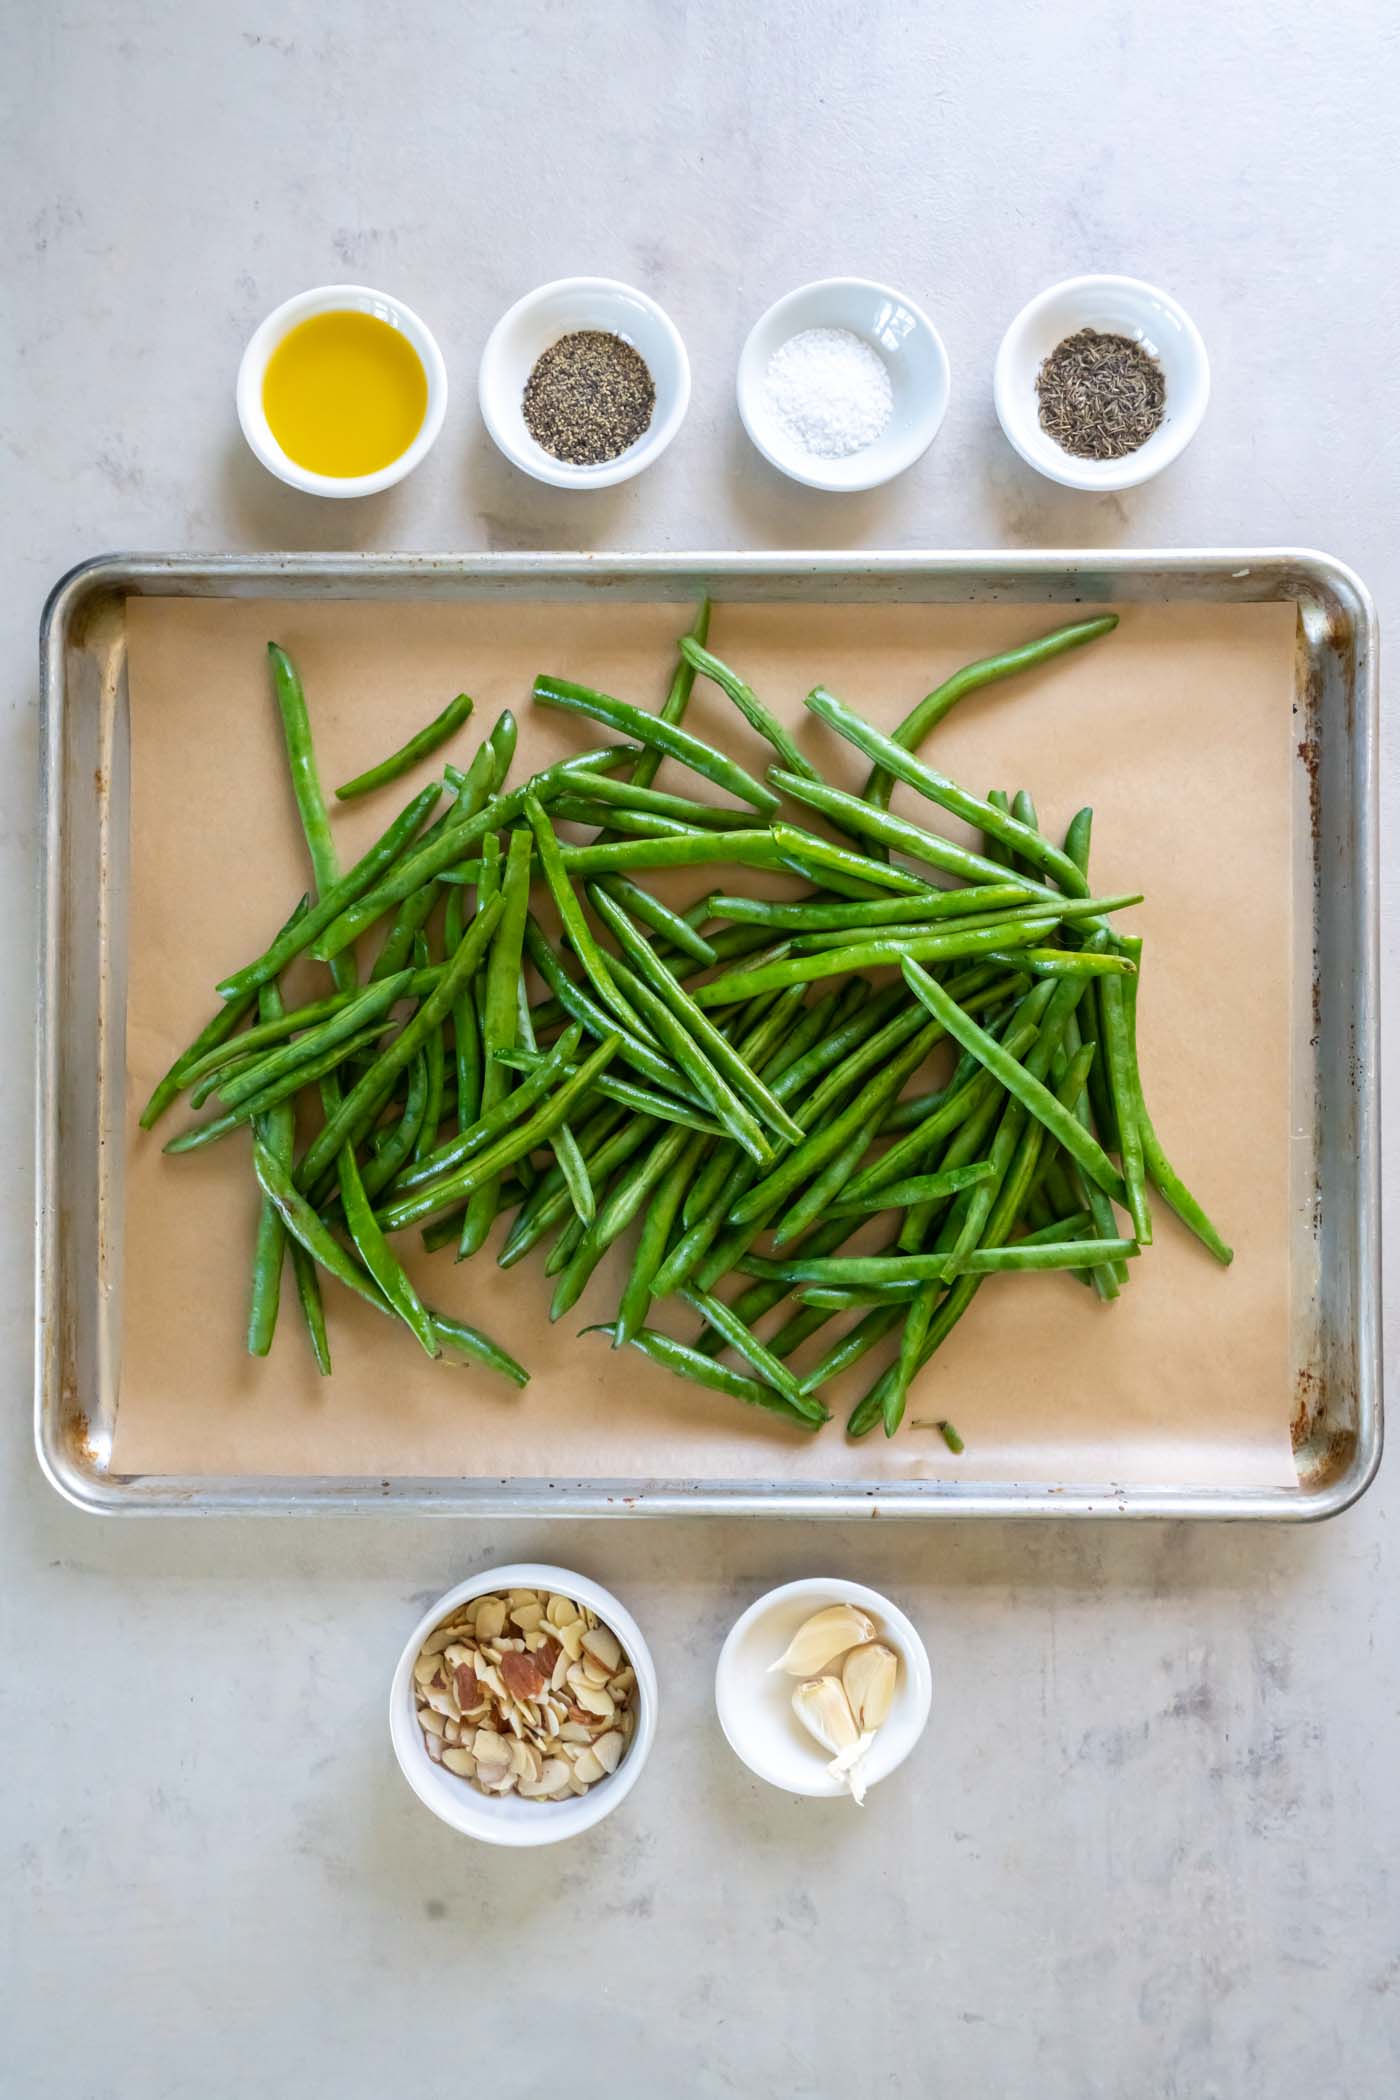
<point x="1178" y="729"/>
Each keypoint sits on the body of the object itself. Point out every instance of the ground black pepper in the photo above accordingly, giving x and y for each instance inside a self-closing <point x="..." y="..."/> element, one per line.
<point x="1101" y="396"/>
<point x="588" y="398"/>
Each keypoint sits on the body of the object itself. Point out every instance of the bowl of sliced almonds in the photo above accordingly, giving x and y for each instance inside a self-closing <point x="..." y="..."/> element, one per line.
<point x="524" y="1705"/>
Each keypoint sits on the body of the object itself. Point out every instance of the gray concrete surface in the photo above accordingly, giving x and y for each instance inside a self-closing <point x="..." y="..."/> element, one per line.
<point x="1152" y="1852"/>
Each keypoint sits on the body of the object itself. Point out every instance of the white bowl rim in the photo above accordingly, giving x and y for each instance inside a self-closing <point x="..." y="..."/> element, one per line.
<point x="479" y="1817"/>
<point x="1101" y="475"/>
<point x="837" y="1589"/>
<point x="559" y="473"/>
<point x="328" y="298"/>
<point x="926" y="427"/>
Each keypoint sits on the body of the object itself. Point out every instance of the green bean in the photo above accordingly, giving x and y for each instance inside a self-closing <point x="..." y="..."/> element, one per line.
<point x="871" y="1328"/>
<point x="631" y="823"/>
<point x="761" y="1360"/>
<point x="924" y="718"/>
<point x="825" y="915"/>
<point x="661" y="919"/>
<point x="666" y="1108"/>
<point x="478" y="1348"/>
<point x="992" y="846"/>
<point x="626" y="794"/>
<point x="420" y="745"/>
<point x="911" y="839"/>
<point x="688" y="1363"/>
<point x="749" y="705"/>
<point x="1073" y="908"/>
<point x="333" y="898"/>
<point x="1106" y="1282"/>
<point x="278" y="1090"/>
<point x="368" y="1005"/>
<point x="651" y="1242"/>
<point x="709" y="1040"/>
<point x="1070" y="1254"/>
<point x="499" y="1021"/>
<point x="515" y="1144"/>
<point x="375" y="1252"/>
<point x="869" y="955"/>
<point x="835" y="1297"/>
<point x="677" y="700"/>
<point x="920" y="1188"/>
<point x="1030" y="1091"/>
<point x="213" y="1037"/>
<point x="502" y="740"/>
<point x="1165" y="1179"/>
<point x="1070" y="1227"/>
<point x="917" y="1143"/>
<point x="466" y="1029"/>
<point x="409" y="920"/>
<point x="278" y="1134"/>
<point x="369" y="1093"/>
<point x="576" y="930"/>
<point x="697" y="849"/>
<point x="974" y="1136"/>
<point x="666" y="737"/>
<point x="1118" y="1055"/>
<point x="937" y="788"/>
<point x="813" y="853"/>
<point x="382" y="1167"/>
<point x="1081" y="826"/>
<point x="815" y="1200"/>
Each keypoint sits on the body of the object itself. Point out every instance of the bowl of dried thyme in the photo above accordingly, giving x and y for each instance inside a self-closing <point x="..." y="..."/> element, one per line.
<point x="584" y="382"/>
<point x="1101" y="382"/>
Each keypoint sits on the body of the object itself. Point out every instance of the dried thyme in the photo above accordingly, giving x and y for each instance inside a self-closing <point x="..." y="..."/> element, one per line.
<point x="588" y="398"/>
<point x="1101" y="396"/>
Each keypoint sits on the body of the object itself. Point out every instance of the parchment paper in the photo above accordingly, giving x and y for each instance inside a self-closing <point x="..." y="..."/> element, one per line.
<point x="1177" y="729"/>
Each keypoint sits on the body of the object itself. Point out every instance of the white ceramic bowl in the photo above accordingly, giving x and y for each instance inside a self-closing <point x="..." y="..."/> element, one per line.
<point x="336" y="298"/>
<point x="900" y="334"/>
<point x="507" y="1820"/>
<point x="755" y="1702"/>
<point x="539" y="319"/>
<point x="1118" y="306"/>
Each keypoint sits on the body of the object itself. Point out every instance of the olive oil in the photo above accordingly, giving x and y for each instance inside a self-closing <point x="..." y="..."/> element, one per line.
<point x="345" y="394"/>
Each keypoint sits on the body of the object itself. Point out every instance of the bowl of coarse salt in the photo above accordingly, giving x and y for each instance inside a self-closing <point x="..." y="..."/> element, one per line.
<point x="843" y="384"/>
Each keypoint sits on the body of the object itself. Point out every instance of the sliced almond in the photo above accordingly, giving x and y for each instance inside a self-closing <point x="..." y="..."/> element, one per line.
<point x="522" y="1676"/>
<point x="461" y="1762"/>
<point x="575" y="1732"/>
<point x="559" y="1673"/>
<point x="435" y="1643"/>
<point x="425" y="1669"/>
<point x="527" y="1616"/>
<point x="594" y="1671"/>
<point x="553" y="1779"/>
<point x="602" y="1642"/>
<point x="490" y="1619"/>
<point x="431" y="1723"/>
<point x="609" y="1748"/>
<point x="516" y="1597"/>
<point x="434" y="1747"/>
<point x="594" y="1700"/>
<point x="560" y="1612"/>
<point x="571" y="1639"/>
<point x="587" y="1766"/>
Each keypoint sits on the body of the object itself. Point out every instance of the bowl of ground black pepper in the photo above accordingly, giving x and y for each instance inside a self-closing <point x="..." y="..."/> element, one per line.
<point x="584" y="382"/>
<point x="1101" y="382"/>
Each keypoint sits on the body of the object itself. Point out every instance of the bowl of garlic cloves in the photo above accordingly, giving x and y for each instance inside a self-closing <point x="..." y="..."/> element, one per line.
<point x="823" y="1688"/>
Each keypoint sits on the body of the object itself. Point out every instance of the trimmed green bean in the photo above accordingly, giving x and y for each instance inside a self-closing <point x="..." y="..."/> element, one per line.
<point x="548" y="1070"/>
<point x="200" y="1134"/>
<point x="666" y="1108"/>
<point x="660" y="1215"/>
<point x="919" y="1188"/>
<point x="725" y="1322"/>
<point x="988" y="670"/>
<point x="661" y="919"/>
<point x="757" y="716"/>
<point x="368" y="1005"/>
<point x="682" y="809"/>
<point x="677" y="700"/>
<point x="911" y="839"/>
<point x="869" y="955"/>
<point x="1044" y="1254"/>
<point x="705" y="1080"/>
<point x="500" y="1021"/>
<point x="421" y="745"/>
<point x="689" y="1364"/>
<point x="1165" y="1179"/>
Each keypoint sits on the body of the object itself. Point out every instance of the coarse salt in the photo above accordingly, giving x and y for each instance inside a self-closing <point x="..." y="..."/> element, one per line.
<point x="830" y="391"/>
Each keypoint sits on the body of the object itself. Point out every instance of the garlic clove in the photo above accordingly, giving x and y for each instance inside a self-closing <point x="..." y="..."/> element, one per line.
<point x="820" y="1639"/>
<point x="869" y="1675"/>
<point x="825" y="1712"/>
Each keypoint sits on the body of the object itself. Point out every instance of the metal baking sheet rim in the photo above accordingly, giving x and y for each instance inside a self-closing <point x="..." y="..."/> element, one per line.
<point x="1337" y="698"/>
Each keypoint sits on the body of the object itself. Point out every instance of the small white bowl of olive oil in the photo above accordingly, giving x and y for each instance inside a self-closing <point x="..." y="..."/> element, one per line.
<point x="341" y="391"/>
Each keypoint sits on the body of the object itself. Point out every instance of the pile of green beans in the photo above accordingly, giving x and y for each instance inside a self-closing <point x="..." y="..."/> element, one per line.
<point x="735" y="1083"/>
